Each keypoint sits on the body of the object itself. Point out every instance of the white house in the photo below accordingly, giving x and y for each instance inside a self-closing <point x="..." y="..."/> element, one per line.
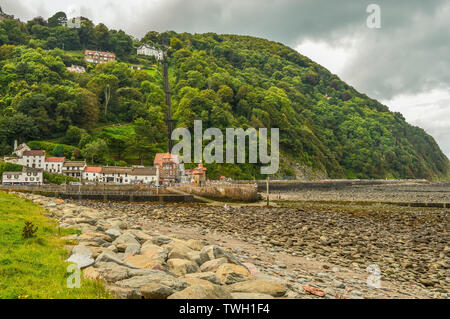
<point x="74" y="169"/>
<point x="54" y="164"/>
<point x="92" y="173"/>
<point x="150" y="51"/>
<point x="28" y="176"/>
<point x="33" y="159"/>
<point x="115" y="174"/>
<point x="144" y="175"/>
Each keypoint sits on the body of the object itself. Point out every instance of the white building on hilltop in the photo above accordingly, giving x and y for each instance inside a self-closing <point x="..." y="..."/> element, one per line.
<point x="33" y="159"/>
<point x="150" y="51"/>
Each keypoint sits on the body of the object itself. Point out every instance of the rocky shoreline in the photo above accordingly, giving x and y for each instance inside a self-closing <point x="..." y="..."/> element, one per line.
<point x="200" y="251"/>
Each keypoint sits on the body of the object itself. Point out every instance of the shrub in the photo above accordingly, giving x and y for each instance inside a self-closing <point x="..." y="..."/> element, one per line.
<point x="29" y="230"/>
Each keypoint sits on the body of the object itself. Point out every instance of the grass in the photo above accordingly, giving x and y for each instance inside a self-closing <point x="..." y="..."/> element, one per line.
<point x="34" y="268"/>
<point x="123" y="131"/>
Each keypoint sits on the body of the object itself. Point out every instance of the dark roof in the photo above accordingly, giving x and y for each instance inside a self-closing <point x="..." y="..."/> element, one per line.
<point x="116" y="170"/>
<point x="74" y="164"/>
<point x="32" y="170"/>
<point x="144" y="171"/>
<point x="34" y="153"/>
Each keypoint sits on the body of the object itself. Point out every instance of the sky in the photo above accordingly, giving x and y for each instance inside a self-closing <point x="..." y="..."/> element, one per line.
<point x="405" y="64"/>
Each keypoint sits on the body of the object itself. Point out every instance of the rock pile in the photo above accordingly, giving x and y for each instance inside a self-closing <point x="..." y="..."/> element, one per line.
<point x="134" y="263"/>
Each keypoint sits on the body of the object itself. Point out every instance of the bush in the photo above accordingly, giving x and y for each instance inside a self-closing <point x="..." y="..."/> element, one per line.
<point x="58" y="179"/>
<point x="29" y="230"/>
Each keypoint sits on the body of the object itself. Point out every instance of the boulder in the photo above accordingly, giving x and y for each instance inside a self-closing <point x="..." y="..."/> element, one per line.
<point x="141" y="236"/>
<point x="156" y="291"/>
<point x="212" y="265"/>
<point x="161" y="240"/>
<point x="81" y="260"/>
<point x="126" y="238"/>
<point x="181" y="267"/>
<point x="202" y="292"/>
<point x="112" y="272"/>
<point x="230" y="273"/>
<point x="195" y="257"/>
<point x="178" y="250"/>
<point x="132" y="249"/>
<point x="153" y="276"/>
<point x="154" y="251"/>
<point x="212" y="252"/>
<point x="196" y="282"/>
<point x="109" y="256"/>
<point x="208" y="276"/>
<point x="145" y="262"/>
<point x="82" y="250"/>
<point x="124" y="293"/>
<point x="259" y="286"/>
<point x="113" y="233"/>
<point x="195" y="244"/>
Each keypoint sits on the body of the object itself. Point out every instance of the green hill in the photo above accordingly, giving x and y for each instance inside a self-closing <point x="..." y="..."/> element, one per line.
<point x="327" y="128"/>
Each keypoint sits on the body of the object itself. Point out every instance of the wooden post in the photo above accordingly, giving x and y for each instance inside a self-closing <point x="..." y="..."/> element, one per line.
<point x="267" y="185"/>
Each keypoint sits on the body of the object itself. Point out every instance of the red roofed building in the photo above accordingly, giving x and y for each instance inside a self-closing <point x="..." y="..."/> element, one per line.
<point x="92" y="173"/>
<point x="168" y="166"/>
<point x="54" y="164"/>
<point x="98" y="56"/>
<point x="33" y="159"/>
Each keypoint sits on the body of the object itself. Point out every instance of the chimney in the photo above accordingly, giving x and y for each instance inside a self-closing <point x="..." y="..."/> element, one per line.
<point x="15" y="144"/>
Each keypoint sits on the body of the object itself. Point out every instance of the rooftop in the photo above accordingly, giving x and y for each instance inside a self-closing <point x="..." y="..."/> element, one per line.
<point x="92" y="169"/>
<point x="34" y="153"/>
<point x="165" y="158"/>
<point x="144" y="171"/>
<point x="74" y="164"/>
<point x="116" y="170"/>
<point x="55" y="159"/>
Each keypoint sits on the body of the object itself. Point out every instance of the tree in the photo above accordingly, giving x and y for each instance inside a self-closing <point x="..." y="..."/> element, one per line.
<point x="73" y="135"/>
<point x="95" y="150"/>
<point x="58" y="19"/>
<point x="58" y="150"/>
<point x="175" y="43"/>
<point x="105" y="85"/>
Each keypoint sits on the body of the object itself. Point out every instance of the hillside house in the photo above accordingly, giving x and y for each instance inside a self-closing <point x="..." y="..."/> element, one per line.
<point x="99" y="56"/>
<point x="135" y="67"/>
<point x="149" y="50"/>
<point x="33" y="159"/>
<point x="76" y="69"/>
<point x="54" y="164"/>
<point x="74" y="168"/>
<point x="28" y="176"/>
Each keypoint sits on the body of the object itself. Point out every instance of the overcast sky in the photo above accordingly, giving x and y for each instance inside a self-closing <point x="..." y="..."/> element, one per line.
<point x="405" y="64"/>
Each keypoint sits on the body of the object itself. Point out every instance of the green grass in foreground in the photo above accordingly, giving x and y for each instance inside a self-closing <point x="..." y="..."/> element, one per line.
<point x="35" y="267"/>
